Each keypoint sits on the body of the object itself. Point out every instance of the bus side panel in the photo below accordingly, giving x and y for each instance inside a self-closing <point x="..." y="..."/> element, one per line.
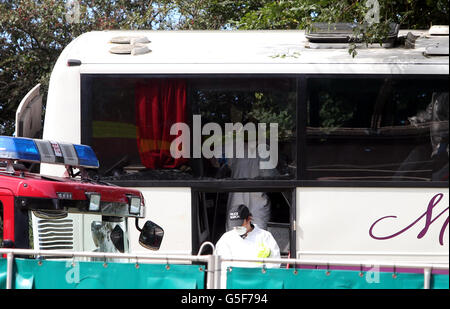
<point x="170" y="208"/>
<point x="370" y="224"/>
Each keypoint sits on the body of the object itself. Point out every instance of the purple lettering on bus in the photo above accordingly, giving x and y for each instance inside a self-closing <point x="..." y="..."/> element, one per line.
<point x="428" y="221"/>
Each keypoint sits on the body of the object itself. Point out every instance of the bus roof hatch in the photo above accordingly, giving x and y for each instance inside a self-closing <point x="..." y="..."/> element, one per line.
<point x="335" y="33"/>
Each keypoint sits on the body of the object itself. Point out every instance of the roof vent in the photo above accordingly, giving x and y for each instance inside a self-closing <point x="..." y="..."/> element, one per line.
<point x="342" y="33"/>
<point x="438" y="30"/>
<point x="127" y="45"/>
<point x="130" y="40"/>
<point x="410" y="40"/>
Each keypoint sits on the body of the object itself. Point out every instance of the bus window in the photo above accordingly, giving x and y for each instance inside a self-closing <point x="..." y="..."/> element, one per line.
<point x="248" y="102"/>
<point x="384" y="129"/>
<point x="145" y="128"/>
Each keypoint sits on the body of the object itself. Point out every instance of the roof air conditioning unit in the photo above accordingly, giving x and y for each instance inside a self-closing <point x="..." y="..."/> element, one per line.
<point x="438" y="41"/>
<point x="438" y="30"/>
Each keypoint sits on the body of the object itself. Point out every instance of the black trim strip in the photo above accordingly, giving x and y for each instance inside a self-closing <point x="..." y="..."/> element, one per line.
<point x="302" y="84"/>
<point x="267" y="185"/>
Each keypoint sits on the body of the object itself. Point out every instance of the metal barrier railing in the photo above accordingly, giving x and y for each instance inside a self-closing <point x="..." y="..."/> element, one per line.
<point x="427" y="267"/>
<point x="10" y="253"/>
<point x="214" y="262"/>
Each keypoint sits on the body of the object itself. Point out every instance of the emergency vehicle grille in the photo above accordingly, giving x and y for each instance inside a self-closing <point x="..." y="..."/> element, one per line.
<point x="55" y="234"/>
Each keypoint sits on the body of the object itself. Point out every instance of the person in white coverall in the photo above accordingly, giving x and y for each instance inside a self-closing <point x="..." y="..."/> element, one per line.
<point x="246" y="240"/>
<point x="257" y="202"/>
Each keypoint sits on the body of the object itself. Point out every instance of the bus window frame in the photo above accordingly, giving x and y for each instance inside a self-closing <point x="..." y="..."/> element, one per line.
<point x="259" y="185"/>
<point x="219" y="189"/>
<point x="86" y="110"/>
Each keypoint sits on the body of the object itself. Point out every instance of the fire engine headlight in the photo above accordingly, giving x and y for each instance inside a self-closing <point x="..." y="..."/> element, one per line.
<point x="94" y="201"/>
<point x="134" y="205"/>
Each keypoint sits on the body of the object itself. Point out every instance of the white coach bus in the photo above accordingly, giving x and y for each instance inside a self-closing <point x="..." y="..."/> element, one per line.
<point x="360" y="146"/>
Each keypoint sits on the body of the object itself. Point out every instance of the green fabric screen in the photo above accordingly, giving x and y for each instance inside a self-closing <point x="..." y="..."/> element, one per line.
<point x="93" y="275"/>
<point x="2" y="273"/>
<point x="32" y="274"/>
<point x="256" y="278"/>
<point x="440" y="282"/>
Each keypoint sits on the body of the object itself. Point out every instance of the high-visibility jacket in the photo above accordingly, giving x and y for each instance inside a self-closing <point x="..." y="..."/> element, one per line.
<point x="259" y="243"/>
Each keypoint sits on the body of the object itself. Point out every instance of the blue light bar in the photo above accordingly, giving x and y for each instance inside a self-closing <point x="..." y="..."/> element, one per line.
<point x="86" y="156"/>
<point x="41" y="151"/>
<point x="18" y="149"/>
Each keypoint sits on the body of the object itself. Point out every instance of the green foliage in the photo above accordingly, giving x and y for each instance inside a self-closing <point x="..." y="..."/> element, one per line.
<point x="276" y="15"/>
<point x="300" y="14"/>
<point x="214" y="14"/>
<point x="275" y="109"/>
<point x="334" y="112"/>
<point x="33" y="33"/>
<point x="249" y="106"/>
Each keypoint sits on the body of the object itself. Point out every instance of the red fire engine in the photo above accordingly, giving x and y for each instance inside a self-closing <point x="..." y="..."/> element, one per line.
<point x="52" y="198"/>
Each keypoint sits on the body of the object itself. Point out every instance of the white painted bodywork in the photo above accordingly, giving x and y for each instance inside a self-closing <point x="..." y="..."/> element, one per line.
<point x="334" y="223"/>
<point x="246" y="52"/>
<point x="171" y="209"/>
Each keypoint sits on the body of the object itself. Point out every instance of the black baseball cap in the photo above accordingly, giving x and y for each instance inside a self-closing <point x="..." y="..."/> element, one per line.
<point x="238" y="215"/>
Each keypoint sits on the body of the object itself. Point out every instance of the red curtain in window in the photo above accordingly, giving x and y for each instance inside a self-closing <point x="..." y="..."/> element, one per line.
<point x="159" y="104"/>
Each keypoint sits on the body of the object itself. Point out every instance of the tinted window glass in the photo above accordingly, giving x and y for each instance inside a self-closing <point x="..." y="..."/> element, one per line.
<point x="249" y="103"/>
<point x="385" y="129"/>
<point x="191" y="128"/>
